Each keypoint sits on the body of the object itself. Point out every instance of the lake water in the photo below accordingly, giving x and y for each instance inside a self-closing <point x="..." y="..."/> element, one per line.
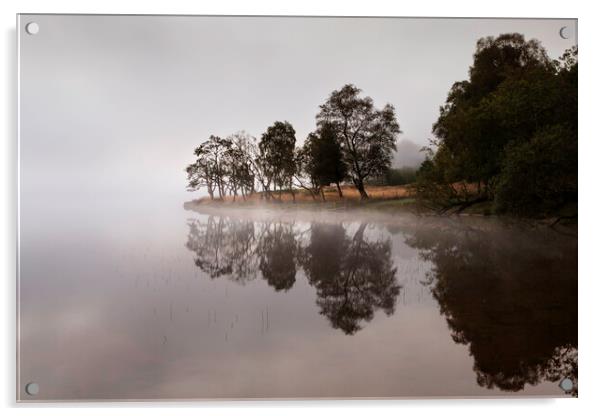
<point x="158" y="302"/>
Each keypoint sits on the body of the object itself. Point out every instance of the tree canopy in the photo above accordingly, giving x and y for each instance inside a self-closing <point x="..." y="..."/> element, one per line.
<point x="516" y="101"/>
<point x="367" y="136"/>
<point x="325" y="158"/>
<point x="277" y="150"/>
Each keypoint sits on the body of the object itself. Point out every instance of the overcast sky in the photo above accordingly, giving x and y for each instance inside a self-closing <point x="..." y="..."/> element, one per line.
<point x="118" y="103"/>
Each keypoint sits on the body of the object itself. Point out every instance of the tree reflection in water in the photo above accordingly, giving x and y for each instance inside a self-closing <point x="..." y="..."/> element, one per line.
<point x="224" y="247"/>
<point x="353" y="276"/>
<point x="276" y="250"/>
<point x="511" y="297"/>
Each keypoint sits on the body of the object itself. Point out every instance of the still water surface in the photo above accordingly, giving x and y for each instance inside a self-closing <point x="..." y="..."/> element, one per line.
<point x="164" y="303"/>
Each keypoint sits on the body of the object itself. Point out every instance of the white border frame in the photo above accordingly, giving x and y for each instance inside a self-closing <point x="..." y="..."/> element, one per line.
<point x="589" y="151"/>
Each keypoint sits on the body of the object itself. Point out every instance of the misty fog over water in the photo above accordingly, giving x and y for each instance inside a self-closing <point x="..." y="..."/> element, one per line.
<point x="154" y="301"/>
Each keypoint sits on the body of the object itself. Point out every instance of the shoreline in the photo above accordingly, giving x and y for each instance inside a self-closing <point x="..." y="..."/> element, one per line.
<point x="387" y="211"/>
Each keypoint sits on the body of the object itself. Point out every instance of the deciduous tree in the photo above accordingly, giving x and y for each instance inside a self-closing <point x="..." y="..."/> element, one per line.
<point x="277" y="153"/>
<point x="367" y="135"/>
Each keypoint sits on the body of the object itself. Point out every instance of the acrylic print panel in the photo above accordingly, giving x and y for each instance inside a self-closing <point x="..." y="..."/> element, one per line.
<point x="239" y="207"/>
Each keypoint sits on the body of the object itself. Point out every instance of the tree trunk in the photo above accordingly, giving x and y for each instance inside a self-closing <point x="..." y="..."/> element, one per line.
<point x="322" y="192"/>
<point x="359" y="184"/>
<point x="210" y="190"/>
<point x="290" y="186"/>
<point x="220" y="188"/>
<point x="340" y="192"/>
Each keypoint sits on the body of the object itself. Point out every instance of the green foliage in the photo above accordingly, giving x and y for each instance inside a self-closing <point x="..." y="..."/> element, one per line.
<point x="514" y="96"/>
<point x="540" y="175"/>
<point x="401" y="176"/>
<point x="326" y="163"/>
<point x="473" y="123"/>
<point x="434" y="188"/>
<point x="395" y="177"/>
<point x="277" y="150"/>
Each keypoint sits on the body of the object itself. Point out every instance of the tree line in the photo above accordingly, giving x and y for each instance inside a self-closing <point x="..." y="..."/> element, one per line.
<point x="353" y="142"/>
<point x="508" y="134"/>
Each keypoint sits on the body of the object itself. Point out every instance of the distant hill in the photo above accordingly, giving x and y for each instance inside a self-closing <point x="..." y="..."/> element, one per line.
<point x="408" y="154"/>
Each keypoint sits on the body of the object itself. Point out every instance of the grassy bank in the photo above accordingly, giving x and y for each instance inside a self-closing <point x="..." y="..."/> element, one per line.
<point x="331" y="194"/>
<point x="331" y="198"/>
<point x="384" y="199"/>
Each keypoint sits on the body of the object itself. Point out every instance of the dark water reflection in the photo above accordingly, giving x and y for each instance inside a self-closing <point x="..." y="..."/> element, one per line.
<point x="509" y="294"/>
<point x="156" y="302"/>
<point x="511" y="299"/>
<point x="352" y="276"/>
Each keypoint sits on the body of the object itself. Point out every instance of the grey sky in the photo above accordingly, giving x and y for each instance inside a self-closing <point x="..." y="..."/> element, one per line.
<point x="117" y="103"/>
